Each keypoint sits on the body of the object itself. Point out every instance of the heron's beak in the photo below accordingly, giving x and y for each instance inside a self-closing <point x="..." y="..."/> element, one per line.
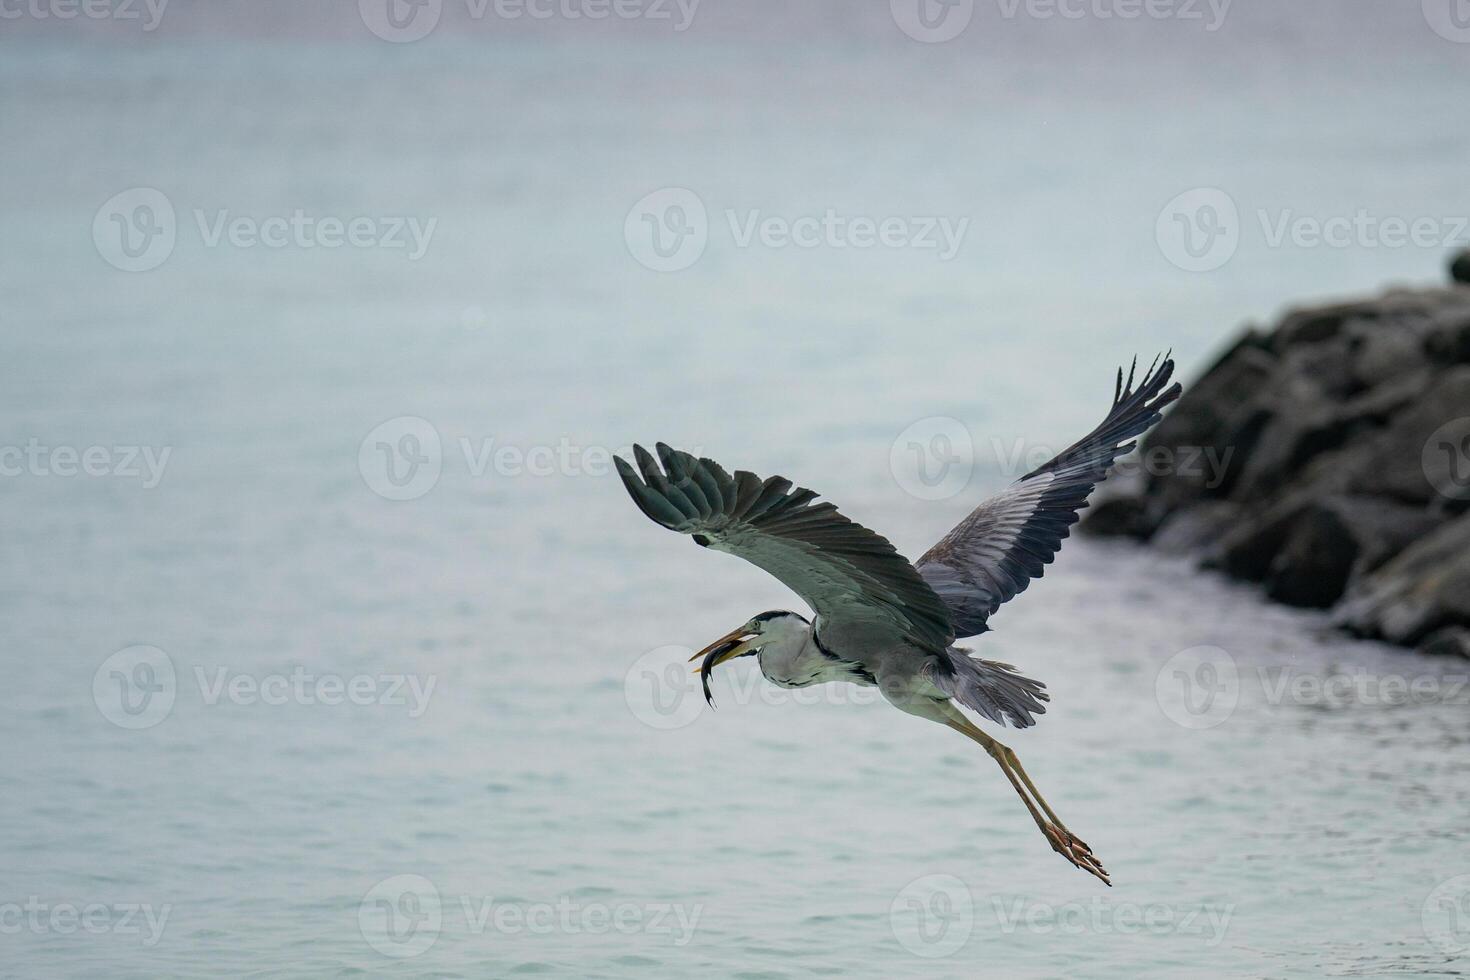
<point x="733" y="644"/>
<point x="724" y="648"/>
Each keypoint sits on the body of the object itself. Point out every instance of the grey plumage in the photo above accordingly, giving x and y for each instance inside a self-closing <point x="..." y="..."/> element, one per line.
<point x="993" y="689"/>
<point x="847" y="573"/>
<point x="873" y="607"/>
<point x="993" y="554"/>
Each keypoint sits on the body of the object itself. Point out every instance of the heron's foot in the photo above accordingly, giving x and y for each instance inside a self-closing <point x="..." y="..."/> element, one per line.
<point x="1075" y="850"/>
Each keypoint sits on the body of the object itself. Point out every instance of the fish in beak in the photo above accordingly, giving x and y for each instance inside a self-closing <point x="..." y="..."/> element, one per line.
<point x="736" y="643"/>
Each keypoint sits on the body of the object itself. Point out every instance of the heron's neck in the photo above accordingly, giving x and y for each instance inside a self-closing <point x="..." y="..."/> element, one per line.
<point x="790" y="655"/>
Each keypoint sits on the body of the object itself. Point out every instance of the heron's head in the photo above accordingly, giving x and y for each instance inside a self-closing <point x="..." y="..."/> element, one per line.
<point x="746" y="640"/>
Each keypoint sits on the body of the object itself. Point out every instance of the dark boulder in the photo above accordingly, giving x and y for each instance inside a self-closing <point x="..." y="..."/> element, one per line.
<point x="1211" y="429"/>
<point x="1460" y="267"/>
<point x="1449" y="340"/>
<point x="1118" y="516"/>
<point x="1196" y="528"/>
<point x="1395" y="465"/>
<point x="1452" y="641"/>
<point x="1424" y="589"/>
<point x="1308" y="548"/>
<point x="1306" y="459"/>
<point x="1312" y="565"/>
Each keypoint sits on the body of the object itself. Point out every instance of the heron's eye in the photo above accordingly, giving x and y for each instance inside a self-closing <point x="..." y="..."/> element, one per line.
<point x="701" y="540"/>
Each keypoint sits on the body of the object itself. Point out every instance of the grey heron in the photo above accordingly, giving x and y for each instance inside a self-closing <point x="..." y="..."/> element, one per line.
<point x="880" y="620"/>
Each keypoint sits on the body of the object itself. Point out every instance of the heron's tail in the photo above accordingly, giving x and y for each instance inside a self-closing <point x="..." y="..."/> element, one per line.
<point x="993" y="689"/>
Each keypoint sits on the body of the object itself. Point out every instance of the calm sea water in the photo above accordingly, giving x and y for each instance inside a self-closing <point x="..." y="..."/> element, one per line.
<point x="262" y="720"/>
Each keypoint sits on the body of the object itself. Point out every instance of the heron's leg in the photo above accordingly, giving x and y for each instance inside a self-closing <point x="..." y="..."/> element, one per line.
<point x="1015" y="764"/>
<point x="1062" y="840"/>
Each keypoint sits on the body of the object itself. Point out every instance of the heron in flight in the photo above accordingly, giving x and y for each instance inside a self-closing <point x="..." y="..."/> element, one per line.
<point x="880" y="620"/>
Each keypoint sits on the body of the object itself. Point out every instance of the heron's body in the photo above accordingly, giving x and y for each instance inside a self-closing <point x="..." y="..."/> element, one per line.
<point x="881" y="620"/>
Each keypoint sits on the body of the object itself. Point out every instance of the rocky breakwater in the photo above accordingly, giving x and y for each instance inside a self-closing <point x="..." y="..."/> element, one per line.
<point x="1329" y="460"/>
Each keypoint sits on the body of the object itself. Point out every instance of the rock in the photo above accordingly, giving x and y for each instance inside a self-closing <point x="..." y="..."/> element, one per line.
<point x="1304" y="459"/>
<point x="1312" y="566"/>
<point x="1394" y="463"/>
<point x="1195" y="528"/>
<point x="1119" y="516"/>
<point x="1380" y="528"/>
<point x="1294" y="418"/>
<point x="1448" y="341"/>
<point x="1381" y="351"/>
<point x="1308" y="548"/>
<point x="1248" y="548"/>
<point x="1424" y="589"/>
<point x="1451" y="641"/>
<point x="1312" y="326"/>
<point x="1216" y="421"/>
<point x="1460" y="267"/>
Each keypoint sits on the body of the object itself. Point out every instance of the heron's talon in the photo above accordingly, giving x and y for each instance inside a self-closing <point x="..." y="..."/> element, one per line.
<point x="1076" y="852"/>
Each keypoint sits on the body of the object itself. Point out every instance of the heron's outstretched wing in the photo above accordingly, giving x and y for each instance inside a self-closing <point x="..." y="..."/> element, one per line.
<point x="993" y="554"/>
<point x="851" y="577"/>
